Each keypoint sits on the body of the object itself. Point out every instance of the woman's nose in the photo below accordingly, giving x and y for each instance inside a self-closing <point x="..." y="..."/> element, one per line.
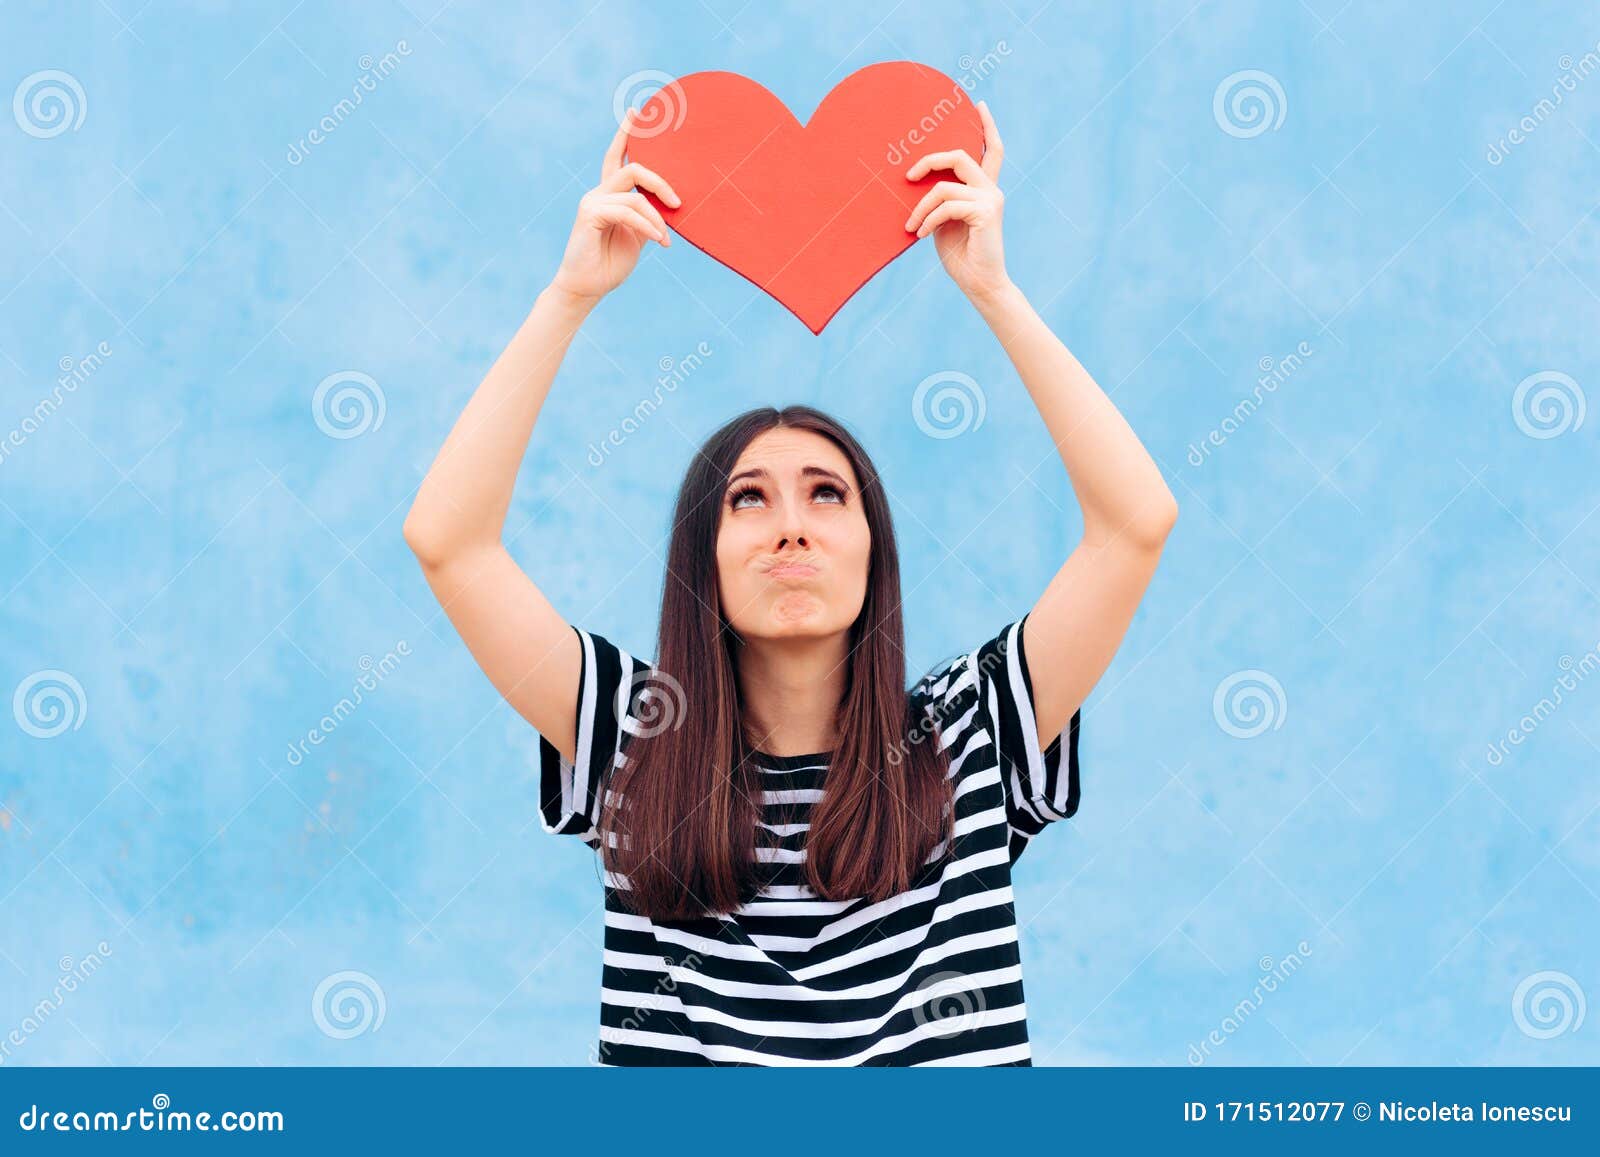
<point x="792" y="528"/>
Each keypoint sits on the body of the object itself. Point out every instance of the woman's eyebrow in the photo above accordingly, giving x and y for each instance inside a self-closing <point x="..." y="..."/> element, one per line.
<point x="805" y="472"/>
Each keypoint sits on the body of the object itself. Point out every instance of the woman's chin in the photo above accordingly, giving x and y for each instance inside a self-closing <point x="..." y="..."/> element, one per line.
<point x="795" y="614"/>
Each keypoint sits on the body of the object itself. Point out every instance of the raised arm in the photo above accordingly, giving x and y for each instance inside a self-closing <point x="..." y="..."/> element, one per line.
<point x="455" y="525"/>
<point x="1080" y="620"/>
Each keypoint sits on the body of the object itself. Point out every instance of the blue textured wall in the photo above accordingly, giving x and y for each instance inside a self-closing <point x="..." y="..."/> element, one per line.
<point x="200" y="556"/>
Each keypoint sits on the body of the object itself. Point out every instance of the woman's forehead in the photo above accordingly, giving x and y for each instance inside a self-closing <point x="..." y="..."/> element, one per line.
<point x="786" y="451"/>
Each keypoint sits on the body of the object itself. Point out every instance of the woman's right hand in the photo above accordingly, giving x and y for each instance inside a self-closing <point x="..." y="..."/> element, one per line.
<point x="614" y="221"/>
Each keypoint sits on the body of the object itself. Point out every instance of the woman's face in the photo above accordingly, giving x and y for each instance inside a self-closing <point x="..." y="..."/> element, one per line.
<point x="793" y="546"/>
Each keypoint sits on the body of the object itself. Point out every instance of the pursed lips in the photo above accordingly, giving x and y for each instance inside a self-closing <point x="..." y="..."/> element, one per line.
<point x="791" y="570"/>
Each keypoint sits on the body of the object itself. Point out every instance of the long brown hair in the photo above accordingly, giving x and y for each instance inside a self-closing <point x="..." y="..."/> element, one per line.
<point x="680" y="823"/>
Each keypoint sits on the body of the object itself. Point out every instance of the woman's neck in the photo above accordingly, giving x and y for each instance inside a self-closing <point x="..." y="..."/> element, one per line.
<point x="791" y="690"/>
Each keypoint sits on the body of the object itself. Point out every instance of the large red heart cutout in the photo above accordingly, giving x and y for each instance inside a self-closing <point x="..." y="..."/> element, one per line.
<point x="809" y="213"/>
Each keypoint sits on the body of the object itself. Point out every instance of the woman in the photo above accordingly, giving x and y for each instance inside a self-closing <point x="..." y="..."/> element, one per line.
<point x="754" y="915"/>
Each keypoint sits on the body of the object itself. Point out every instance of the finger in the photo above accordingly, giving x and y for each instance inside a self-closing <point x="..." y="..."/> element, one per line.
<point x="994" y="150"/>
<point x="614" y="151"/>
<point x="959" y="161"/>
<point x="622" y="216"/>
<point x="936" y="196"/>
<point x="650" y="179"/>
<point x="949" y="211"/>
<point x="638" y="202"/>
<point x="634" y="174"/>
<point x="615" y="213"/>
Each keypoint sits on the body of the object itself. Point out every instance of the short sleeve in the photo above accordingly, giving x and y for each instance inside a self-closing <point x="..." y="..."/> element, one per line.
<point x="992" y="685"/>
<point x="610" y="688"/>
<point x="1041" y="784"/>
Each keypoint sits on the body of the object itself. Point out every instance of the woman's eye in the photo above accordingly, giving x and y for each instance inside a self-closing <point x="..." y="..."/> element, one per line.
<point x="737" y="500"/>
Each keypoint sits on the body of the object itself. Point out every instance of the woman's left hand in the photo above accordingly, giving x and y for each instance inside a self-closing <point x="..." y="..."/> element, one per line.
<point x="964" y="215"/>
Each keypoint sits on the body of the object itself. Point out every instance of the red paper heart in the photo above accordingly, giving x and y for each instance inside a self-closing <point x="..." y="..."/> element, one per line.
<point x="809" y="213"/>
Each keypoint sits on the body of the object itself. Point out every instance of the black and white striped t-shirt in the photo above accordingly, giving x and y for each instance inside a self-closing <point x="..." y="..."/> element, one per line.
<point x="931" y="976"/>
